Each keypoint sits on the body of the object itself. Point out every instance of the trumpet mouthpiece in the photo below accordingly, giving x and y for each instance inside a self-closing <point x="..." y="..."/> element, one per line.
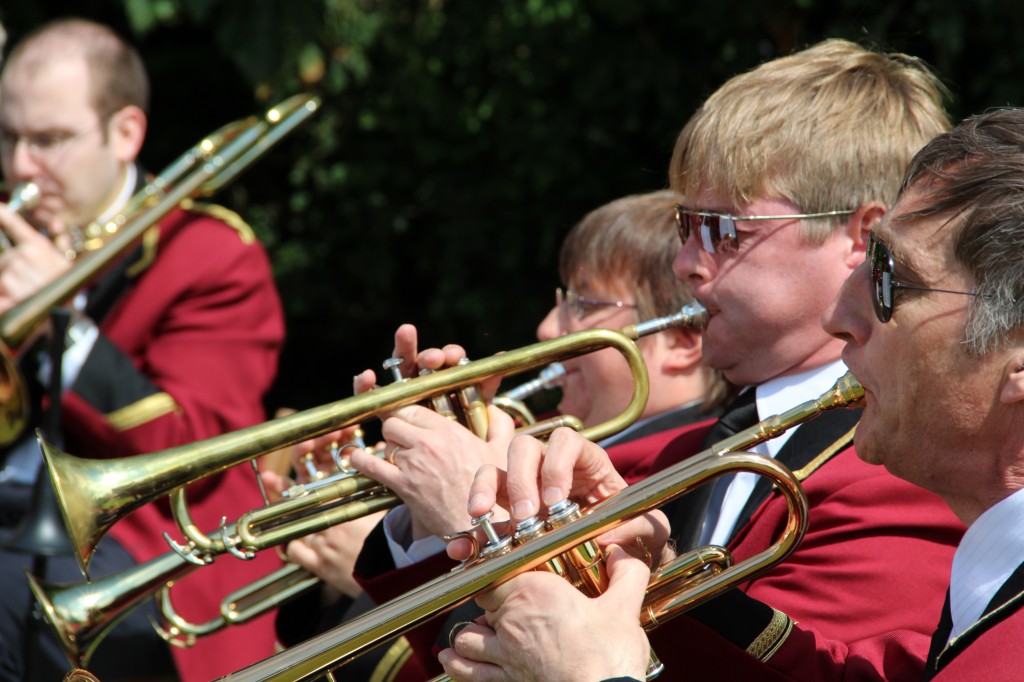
<point x="693" y="315"/>
<point x="24" y="197"/>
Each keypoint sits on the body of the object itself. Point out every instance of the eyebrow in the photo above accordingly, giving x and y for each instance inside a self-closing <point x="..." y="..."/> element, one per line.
<point x="898" y="255"/>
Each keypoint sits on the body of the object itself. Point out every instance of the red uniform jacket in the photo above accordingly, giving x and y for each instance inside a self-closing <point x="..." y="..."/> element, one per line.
<point x="993" y="654"/>
<point x="864" y="587"/>
<point x="989" y="650"/>
<point x="190" y="336"/>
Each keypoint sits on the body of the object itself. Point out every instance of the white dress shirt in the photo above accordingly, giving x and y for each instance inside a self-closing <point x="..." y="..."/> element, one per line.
<point x="991" y="550"/>
<point x="773" y="397"/>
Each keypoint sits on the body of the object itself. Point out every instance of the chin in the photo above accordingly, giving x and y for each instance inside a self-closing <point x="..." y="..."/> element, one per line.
<point x="866" y="448"/>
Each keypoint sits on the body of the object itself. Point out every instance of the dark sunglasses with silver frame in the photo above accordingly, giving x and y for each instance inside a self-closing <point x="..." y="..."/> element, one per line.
<point x="718" y="230"/>
<point x="883" y="280"/>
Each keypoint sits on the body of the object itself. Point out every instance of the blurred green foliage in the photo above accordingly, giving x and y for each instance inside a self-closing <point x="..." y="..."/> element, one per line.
<point x="460" y="140"/>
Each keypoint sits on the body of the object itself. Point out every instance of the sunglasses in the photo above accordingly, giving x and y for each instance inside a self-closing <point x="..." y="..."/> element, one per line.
<point x="883" y="280"/>
<point x="718" y="230"/>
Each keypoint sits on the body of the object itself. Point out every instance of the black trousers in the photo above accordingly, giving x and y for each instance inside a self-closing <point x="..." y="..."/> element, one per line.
<point x="29" y="649"/>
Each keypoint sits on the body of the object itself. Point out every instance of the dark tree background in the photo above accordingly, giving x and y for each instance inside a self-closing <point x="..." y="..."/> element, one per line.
<point x="459" y="141"/>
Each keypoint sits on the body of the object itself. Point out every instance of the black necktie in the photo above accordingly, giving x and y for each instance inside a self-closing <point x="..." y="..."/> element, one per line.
<point x="741" y="414"/>
<point x="687" y="514"/>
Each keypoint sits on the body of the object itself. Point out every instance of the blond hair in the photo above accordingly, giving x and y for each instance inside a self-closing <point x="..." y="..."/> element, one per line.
<point x="831" y="127"/>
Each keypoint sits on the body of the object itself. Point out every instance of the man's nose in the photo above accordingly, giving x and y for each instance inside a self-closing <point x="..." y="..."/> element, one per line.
<point x="550" y="327"/>
<point x="693" y="264"/>
<point x="20" y="164"/>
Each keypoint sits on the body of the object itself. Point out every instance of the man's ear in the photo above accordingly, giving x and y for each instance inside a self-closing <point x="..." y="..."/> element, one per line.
<point x="682" y="349"/>
<point x="1013" y="385"/>
<point x="858" y="225"/>
<point x="127" y="129"/>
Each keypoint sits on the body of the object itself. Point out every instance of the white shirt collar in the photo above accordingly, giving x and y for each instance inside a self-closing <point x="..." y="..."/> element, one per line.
<point x="773" y="397"/>
<point x="783" y="393"/>
<point x="123" y="197"/>
<point x="991" y="550"/>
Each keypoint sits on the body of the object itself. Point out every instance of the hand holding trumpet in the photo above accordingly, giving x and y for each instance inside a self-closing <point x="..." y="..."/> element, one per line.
<point x="507" y="644"/>
<point x="31" y="260"/>
<point x="430" y="460"/>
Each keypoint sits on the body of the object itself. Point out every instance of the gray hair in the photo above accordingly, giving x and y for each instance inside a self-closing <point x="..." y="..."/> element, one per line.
<point x="974" y="175"/>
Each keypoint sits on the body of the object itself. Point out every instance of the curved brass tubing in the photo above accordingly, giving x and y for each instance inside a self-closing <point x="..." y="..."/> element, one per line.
<point x="313" y="658"/>
<point x="94" y="494"/>
<point x="238" y="607"/>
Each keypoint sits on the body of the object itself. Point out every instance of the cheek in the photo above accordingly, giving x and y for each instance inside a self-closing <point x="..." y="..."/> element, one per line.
<point x="606" y="366"/>
<point x="600" y="377"/>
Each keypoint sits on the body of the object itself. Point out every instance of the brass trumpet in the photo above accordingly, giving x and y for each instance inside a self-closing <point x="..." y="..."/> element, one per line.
<point x="356" y="496"/>
<point x="94" y="494"/>
<point x="513" y="401"/>
<point x="199" y="172"/>
<point x="321" y="654"/>
<point x="82" y="614"/>
<point x="344" y="497"/>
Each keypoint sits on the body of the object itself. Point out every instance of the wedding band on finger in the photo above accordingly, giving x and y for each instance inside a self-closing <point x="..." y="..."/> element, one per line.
<point x="390" y="457"/>
<point x="456" y="629"/>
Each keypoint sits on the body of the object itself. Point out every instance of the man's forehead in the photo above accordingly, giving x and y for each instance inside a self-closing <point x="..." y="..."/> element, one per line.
<point x="53" y="96"/>
<point x="914" y="238"/>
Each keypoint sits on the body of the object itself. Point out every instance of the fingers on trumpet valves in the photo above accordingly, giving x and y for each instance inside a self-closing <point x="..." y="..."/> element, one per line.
<point x="484" y="537"/>
<point x="328" y="458"/>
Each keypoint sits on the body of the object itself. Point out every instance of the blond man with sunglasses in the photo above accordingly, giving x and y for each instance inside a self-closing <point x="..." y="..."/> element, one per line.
<point x="783" y="172"/>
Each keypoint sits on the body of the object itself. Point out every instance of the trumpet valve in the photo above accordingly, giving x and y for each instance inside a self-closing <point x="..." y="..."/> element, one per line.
<point x="584" y="563"/>
<point x="393" y="365"/>
<point x="527" y="529"/>
<point x="495" y="544"/>
<point x="187" y="551"/>
<point x="309" y="462"/>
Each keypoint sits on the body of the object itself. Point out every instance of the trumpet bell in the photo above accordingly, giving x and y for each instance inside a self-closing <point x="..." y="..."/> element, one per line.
<point x="94" y="494"/>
